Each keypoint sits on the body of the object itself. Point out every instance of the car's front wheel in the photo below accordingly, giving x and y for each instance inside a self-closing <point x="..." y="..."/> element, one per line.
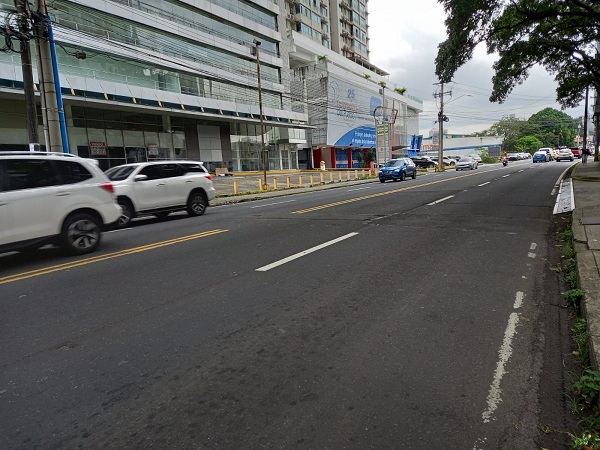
<point x="197" y="203"/>
<point x="414" y="175"/>
<point x="403" y="176"/>
<point x="80" y="233"/>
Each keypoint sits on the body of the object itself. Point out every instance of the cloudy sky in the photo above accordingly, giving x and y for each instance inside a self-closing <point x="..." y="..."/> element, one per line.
<point x="404" y="39"/>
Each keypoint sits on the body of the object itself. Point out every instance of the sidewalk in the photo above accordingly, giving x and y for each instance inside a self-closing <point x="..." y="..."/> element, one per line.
<point x="249" y="185"/>
<point x="586" y="234"/>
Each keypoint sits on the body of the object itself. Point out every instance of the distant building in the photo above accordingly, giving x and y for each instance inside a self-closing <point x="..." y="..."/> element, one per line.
<point x="461" y="144"/>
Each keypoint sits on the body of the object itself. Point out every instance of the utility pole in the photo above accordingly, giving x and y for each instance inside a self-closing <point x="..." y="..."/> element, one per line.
<point x="585" y="120"/>
<point x="24" y="16"/>
<point x="260" y="106"/>
<point x="441" y="119"/>
<point x="595" y="156"/>
<point x="51" y="110"/>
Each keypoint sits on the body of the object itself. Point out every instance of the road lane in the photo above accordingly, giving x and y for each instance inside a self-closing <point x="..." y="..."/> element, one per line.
<point x="389" y="340"/>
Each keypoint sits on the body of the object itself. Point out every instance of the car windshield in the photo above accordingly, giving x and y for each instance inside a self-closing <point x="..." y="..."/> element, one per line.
<point x="119" y="173"/>
<point x="466" y="159"/>
<point x="394" y="163"/>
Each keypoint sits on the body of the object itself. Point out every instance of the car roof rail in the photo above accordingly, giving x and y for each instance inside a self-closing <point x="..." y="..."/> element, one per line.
<point x="36" y="153"/>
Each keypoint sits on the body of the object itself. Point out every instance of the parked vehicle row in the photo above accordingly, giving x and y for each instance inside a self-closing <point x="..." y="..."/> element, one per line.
<point x="57" y="198"/>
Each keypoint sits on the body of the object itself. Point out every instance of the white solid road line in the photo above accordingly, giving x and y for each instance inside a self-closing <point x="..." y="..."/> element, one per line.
<point x="303" y="253"/>
<point x="440" y="200"/>
<point x="495" y="395"/>
<point x="483" y="184"/>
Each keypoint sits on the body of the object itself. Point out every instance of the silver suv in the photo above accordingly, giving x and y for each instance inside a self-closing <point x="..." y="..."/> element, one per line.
<point x="53" y="198"/>
<point x="161" y="187"/>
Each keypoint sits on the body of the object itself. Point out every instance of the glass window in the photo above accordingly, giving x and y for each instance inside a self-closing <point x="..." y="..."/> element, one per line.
<point x="28" y="174"/>
<point x="154" y="172"/>
<point x="71" y="172"/>
<point x="172" y="170"/>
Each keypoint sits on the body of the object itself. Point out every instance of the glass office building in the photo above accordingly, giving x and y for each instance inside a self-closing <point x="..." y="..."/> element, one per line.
<point x="162" y="79"/>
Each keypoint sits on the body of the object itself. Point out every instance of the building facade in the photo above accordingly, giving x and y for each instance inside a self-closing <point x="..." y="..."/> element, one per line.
<point x="169" y="79"/>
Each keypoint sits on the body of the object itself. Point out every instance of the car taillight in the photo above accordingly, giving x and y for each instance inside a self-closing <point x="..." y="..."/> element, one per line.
<point x="108" y="187"/>
<point x="209" y="177"/>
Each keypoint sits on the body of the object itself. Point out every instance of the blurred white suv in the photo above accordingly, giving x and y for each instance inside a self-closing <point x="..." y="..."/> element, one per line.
<point x="161" y="187"/>
<point x="53" y="198"/>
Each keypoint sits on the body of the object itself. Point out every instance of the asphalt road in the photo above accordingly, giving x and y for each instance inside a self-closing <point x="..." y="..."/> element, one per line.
<point x="408" y="315"/>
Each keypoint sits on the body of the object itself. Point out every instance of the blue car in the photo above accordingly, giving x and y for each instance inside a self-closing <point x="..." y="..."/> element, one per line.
<point x="540" y="156"/>
<point x="398" y="170"/>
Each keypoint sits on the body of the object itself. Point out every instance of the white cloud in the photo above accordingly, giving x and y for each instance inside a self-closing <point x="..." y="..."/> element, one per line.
<point x="404" y="41"/>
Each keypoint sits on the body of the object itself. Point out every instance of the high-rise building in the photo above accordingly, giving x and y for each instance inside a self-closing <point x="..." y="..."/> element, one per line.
<point x="354" y="108"/>
<point x="164" y="79"/>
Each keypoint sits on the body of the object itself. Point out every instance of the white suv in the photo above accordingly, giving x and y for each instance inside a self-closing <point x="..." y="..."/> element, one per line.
<point x="161" y="187"/>
<point x="53" y="198"/>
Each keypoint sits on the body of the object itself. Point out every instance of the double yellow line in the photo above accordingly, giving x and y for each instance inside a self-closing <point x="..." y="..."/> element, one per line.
<point x="107" y="256"/>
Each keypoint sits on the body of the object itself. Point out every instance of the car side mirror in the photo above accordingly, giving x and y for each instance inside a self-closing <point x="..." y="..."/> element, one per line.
<point x="140" y="178"/>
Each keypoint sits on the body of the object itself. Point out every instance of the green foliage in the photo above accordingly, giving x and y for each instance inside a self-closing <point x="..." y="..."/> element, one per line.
<point x="567" y="235"/>
<point x="573" y="297"/>
<point x="554" y="128"/>
<point x="529" y="144"/>
<point x="558" y="35"/>
<point x="588" y="439"/>
<point x="588" y="385"/>
<point x="581" y="336"/>
<point x="485" y="156"/>
<point x="400" y="91"/>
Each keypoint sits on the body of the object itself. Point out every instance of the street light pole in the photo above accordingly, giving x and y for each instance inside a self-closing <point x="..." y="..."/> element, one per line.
<point x="260" y="106"/>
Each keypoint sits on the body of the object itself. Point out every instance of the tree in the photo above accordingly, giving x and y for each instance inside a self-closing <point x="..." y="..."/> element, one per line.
<point x="529" y="144"/>
<point x="554" y="128"/>
<point x="558" y="35"/>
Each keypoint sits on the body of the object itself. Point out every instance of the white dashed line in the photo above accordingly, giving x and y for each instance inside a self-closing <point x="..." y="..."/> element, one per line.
<point x="303" y="253"/>
<point x="533" y="246"/>
<point x="271" y="204"/>
<point x="504" y="176"/>
<point x="358" y="189"/>
<point x="440" y="200"/>
<point x="519" y="300"/>
<point x="483" y="184"/>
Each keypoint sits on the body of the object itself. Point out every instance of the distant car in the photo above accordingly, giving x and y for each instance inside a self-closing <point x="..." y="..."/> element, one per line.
<point x="53" y="198"/>
<point x="424" y="162"/>
<point x="161" y="187"/>
<point x="514" y="156"/>
<point x="397" y="170"/>
<point x="540" y="156"/>
<point x="477" y="158"/>
<point x="576" y="152"/>
<point x="564" y="154"/>
<point x="448" y="162"/>
<point x="549" y="151"/>
<point x="466" y="162"/>
<point x="524" y="155"/>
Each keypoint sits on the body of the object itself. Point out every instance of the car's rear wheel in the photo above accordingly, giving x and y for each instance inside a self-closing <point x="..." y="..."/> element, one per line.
<point x="127" y="212"/>
<point x="80" y="233"/>
<point x="414" y="175"/>
<point x="197" y="203"/>
<point x="381" y="181"/>
<point x="403" y="176"/>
